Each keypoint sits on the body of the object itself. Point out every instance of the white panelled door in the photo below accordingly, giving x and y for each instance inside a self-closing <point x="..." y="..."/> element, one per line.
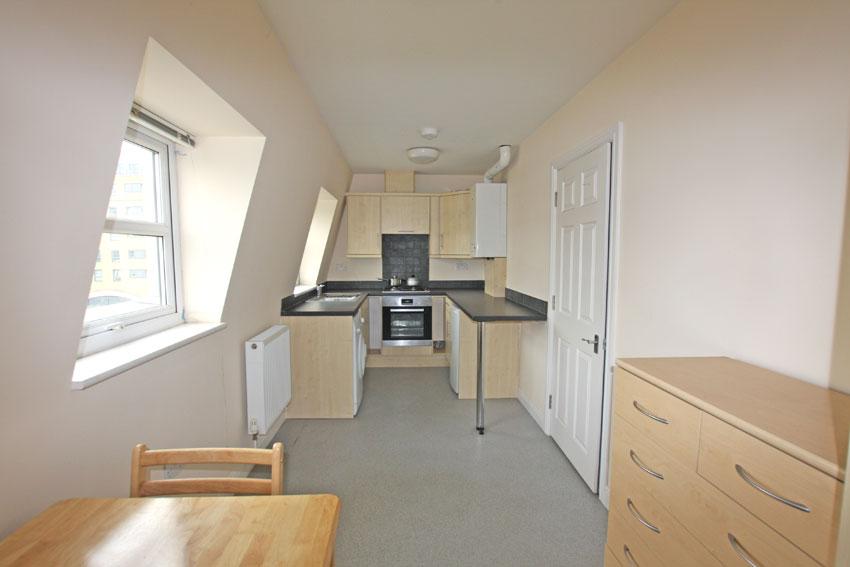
<point x="579" y="308"/>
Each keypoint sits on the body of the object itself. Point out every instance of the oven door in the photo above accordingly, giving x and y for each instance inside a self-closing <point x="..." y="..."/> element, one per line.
<point x="407" y="326"/>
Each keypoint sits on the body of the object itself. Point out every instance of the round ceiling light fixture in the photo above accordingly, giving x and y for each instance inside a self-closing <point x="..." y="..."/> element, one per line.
<point x="423" y="155"/>
<point x="429" y="132"/>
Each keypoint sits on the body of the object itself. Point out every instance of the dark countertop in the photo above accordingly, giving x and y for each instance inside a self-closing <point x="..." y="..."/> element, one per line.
<point x="476" y="304"/>
<point x="479" y="306"/>
<point x="329" y="308"/>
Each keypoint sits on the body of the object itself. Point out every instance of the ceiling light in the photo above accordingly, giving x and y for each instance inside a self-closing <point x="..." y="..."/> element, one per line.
<point x="429" y="132"/>
<point x="423" y="155"/>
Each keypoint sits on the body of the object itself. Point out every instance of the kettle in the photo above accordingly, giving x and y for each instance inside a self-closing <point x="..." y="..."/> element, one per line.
<point x="412" y="281"/>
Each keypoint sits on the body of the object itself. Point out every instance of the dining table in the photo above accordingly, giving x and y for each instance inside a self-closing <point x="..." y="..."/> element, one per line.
<point x="290" y="530"/>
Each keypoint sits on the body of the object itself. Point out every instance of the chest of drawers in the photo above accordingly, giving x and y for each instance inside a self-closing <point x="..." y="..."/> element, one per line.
<point x="717" y="462"/>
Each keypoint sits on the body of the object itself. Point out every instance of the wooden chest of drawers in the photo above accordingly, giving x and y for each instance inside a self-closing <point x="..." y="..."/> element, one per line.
<point x="717" y="462"/>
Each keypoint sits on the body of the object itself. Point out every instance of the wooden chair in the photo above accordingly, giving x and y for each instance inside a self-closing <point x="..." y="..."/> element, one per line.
<point x="144" y="458"/>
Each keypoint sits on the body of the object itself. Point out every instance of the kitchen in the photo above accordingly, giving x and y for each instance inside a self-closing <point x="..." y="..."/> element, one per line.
<point x="402" y="320"/>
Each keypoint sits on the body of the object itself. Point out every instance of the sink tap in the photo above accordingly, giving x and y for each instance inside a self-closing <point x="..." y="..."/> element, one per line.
<point x="320" y="289"/>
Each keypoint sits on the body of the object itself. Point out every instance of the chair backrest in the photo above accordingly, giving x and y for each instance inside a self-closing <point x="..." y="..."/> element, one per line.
<point x="144" y="458"/>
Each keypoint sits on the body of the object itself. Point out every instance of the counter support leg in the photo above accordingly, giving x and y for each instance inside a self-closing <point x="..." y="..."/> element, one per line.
<point x="479" y="390"/>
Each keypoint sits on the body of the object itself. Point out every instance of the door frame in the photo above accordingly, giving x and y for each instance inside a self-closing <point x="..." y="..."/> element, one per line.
<point x="614" y="135"/>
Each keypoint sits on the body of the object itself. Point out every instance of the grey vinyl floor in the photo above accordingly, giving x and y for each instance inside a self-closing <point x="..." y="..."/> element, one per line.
<point x="419" y="486"/>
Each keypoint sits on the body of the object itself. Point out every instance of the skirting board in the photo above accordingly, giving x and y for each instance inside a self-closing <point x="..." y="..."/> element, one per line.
<point x="401" y="361"/>
<point x="529" y="407"/>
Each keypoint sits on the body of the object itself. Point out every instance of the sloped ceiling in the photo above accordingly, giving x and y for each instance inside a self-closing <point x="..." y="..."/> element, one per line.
<point x="486" y="72"/>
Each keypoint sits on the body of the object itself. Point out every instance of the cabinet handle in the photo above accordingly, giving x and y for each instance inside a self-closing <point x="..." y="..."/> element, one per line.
<point x="742" y="472"/>
<point x="640" y="518"/>
<point x="405" y="231"/>
<point x="649" y="414"/>
<point x="629" y="557"/>
<point x="741" y="552"/>
<point x="643" y="467"/>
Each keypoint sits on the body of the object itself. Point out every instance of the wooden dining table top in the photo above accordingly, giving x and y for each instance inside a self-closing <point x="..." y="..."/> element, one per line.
<point x="291" y="530"/>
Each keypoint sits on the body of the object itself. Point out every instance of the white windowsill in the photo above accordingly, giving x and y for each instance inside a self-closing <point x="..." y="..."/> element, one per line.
<point x="97" y="367"/>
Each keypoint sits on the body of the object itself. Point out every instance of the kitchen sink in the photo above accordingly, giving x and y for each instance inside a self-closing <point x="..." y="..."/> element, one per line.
<point x="336" y="297"/>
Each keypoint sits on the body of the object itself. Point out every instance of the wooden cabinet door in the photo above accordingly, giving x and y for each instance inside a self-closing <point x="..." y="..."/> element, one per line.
<point x="405" y="214"/>
<point x="434" y="240"/>
<point x="364" y="225"/>
<point x="456" y="224"/>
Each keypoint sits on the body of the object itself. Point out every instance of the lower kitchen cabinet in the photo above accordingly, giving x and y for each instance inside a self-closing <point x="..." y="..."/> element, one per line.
<point x="500" y="356"/>
<point x="376" y="322"/>
<point x="322" y="363"/>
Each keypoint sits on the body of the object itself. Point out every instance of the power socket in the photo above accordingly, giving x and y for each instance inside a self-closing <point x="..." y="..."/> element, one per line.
<point x="172" y="471"/>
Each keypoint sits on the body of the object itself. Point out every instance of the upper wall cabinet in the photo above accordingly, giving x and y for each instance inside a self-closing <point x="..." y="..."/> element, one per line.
<point x="456" y="224"/>
<point x="405" y="214"/>
<point x="434" y="238"/>
<point x="364" y="225"/>
<point x="472" y="224"/>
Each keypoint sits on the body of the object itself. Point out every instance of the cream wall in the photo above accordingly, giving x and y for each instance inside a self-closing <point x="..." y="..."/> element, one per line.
<point x="70" y="72"/>
<point x="354" y="269"/>
<point x="735" y="117"/>
<point x="840" y="369"/>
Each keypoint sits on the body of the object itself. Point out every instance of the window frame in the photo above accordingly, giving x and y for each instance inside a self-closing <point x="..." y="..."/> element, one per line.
<point x="114" y="331"/>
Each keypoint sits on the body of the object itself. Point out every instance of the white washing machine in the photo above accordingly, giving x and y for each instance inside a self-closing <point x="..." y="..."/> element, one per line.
<point x="360" y="351"/>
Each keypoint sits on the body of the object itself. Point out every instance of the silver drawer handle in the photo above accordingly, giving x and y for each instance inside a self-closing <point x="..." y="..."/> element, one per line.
<point x="629" y="557"/>
<point x="643" y="467"/>
<point x="741" y="552"/>
<point x="640" y="518"/>
<point x="649" y="414"/>
<point x="764" y="490"/>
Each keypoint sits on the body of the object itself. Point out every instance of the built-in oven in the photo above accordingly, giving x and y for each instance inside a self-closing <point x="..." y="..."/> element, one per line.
<point x="407" y="320"/>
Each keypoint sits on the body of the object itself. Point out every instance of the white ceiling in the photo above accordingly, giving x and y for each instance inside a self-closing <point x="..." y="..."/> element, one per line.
<point x="486" y="72"/>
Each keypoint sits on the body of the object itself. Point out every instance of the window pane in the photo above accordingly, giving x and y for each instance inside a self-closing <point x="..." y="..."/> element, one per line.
<point x="117" y="292"/>
<point x="135" y="191"/>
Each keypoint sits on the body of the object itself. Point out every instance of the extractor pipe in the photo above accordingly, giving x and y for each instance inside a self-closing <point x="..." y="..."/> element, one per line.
<point x="504" y="160"/>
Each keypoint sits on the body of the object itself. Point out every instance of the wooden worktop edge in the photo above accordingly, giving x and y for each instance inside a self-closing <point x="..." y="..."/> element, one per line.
<point x="832" y="469"/>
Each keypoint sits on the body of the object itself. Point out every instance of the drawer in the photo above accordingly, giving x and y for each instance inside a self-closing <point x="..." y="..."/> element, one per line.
<point x="610" y="560"/>
<point x="624" y="545"/>
<point x="635" y="455"/>
<point x="773" y="486"/>
<point x="708" y="514"/>
<point x="730" y="532"/>
<point x="664" y="418"/>
<point x="654" y="524"/>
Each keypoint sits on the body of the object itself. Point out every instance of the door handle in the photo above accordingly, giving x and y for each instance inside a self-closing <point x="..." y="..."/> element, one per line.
<point x="594" y="342"/>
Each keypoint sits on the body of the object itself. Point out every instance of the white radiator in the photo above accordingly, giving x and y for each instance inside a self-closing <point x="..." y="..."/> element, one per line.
<point x="268" y="377"/>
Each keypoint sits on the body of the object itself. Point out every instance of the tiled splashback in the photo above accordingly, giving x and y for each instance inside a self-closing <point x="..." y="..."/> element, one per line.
<point x="405" y="254"/>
